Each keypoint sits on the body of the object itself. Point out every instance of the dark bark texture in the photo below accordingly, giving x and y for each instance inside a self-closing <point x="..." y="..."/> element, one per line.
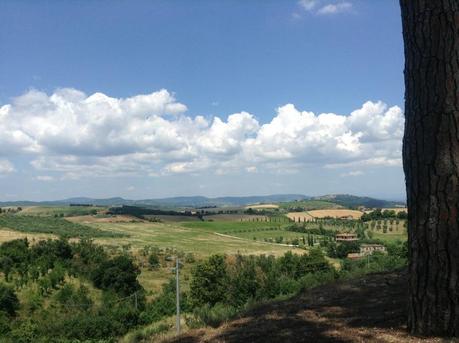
<point x="431" y="163"/>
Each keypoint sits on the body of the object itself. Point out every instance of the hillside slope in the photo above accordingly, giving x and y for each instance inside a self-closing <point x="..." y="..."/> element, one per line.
<point x="367" y="309"/>
<point x="345" y="200"/>
<point x="353" y="201"/>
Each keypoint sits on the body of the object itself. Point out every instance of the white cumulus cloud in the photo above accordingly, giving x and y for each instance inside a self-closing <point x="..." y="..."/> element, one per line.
<point x="335" y="8"/>
<point x="79" y="135"/>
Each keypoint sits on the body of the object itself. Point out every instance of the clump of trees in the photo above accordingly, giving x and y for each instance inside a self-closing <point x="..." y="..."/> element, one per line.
<point x="233" y="282"/>
<point x="341" y="250"/>
<point x="222" y="286"/>
<point x="379" y="214"/>
<point x="59" y="281"/>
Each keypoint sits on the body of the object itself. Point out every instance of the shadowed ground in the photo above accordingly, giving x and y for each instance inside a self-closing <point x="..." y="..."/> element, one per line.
<point x="368" y="309"/>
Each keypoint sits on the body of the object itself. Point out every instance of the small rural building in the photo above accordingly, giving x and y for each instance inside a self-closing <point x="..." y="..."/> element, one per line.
<point x="368" y="249"/>
<point x="346" y="237"/>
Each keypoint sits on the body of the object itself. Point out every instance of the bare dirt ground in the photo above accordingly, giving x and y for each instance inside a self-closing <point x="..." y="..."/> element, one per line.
<point x="368" y="309"/>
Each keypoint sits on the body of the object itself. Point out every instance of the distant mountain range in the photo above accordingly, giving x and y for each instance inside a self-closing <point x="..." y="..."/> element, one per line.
<point x="201" y="201"/>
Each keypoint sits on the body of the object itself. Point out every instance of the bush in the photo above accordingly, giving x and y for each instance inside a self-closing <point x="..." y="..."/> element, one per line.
<point x="163" y="305"/>
<point x="9" y="302"/>
<point x="210" y="281"/>
<point x="398" y="249"/>
<point x="315" y="279"/>
<point x="153" y="261"/>
<point x="341" y="250"/>
<point x="118" y="274"/>
<point x="69" y="296"/>
<point x="4" y="323"/>
<point x="215" y="315"/>
<point x="26" y="332"/>
<point x="287" y="286"/>
<point x="189" y="258"/>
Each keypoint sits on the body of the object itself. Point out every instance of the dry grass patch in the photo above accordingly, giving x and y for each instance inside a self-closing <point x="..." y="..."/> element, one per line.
<point x="9" y="235"/>
<point x="262" y="206"/>
<point x="336" y="213"/>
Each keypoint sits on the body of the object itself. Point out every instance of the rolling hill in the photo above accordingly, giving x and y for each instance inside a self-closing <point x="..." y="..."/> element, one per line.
<point x="344" y="200"/>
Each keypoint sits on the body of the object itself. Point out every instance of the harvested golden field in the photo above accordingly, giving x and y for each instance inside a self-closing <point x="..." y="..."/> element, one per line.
<point x="397" y="209"/>
<point x="336" y="213"/>
<point x="262" y="206"/>
<point x="9" y="235"/>
<point x="300" y="216"/>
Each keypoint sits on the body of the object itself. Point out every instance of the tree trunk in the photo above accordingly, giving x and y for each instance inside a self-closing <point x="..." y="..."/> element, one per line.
<point x="431" y="163"/>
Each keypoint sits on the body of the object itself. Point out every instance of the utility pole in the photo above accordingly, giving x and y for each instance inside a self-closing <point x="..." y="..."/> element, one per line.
<point x="177" y="286"/>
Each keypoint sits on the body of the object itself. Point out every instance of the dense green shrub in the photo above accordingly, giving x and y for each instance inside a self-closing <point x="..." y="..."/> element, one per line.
<point x="340" y="250"/>
<point x="215" y="315"/>
<point x="71" y="297"/>
<point x="398" y="249"/>
<point x="26" y="332"/>
<point x="242" y="279"/>
<point x="118" y="274"/>
<point x="153" y="261"/>
<point x="210" y="281"/>
<point x="164" y="305"/>
<point x="9" y="302"/>
<point x="5" y="321"/>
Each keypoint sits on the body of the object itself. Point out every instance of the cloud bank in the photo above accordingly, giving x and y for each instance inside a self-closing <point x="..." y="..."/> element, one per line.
<point x="75" y="135"/>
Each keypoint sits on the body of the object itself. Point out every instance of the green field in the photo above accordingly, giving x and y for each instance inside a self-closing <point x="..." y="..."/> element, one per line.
<point x="226" y="226"/>
<point x="388" y="230"/>
<point x="172" y="219"/>
<point x="268" y="234"/>
<point x="202" y="240"/>
<point x="390" y="237"/>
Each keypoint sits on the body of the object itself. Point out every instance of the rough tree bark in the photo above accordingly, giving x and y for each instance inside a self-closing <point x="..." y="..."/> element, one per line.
<point x="431" y="163"/>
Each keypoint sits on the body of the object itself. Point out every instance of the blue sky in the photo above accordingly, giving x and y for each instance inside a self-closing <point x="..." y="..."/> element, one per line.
<point x="212" y="59"/>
